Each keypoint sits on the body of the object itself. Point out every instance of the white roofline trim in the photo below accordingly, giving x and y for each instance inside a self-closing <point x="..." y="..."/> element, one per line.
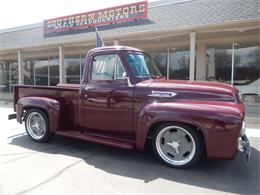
<point x="175" y="2"/>
<point x="21" y="28"/>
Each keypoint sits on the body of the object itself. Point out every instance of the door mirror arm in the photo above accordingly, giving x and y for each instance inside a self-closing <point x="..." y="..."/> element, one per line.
<point x="129" y="82"/>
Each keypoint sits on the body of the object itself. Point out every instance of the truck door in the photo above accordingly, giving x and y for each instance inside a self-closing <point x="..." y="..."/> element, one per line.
<point x="107" y="99"/>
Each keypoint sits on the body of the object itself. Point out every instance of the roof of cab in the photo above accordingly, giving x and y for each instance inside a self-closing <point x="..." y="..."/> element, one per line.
<point x="111" y="48"/>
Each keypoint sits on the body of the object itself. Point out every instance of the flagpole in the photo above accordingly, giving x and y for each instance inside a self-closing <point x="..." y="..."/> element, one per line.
<point x="99" y="40"/>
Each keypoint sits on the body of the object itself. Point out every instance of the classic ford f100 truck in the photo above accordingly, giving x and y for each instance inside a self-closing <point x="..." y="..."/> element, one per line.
<point x="123" y="100"/>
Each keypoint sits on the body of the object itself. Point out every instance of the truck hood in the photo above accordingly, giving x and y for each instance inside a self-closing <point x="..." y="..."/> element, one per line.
<point x="191" y="90"/>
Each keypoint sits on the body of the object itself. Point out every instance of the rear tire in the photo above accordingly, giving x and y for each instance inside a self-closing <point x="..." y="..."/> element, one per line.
<point x="37" y="125"/>
<point x="177" y="145"/>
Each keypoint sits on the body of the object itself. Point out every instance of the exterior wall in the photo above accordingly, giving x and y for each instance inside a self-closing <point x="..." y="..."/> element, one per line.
<point x="152" y="41"/>
<point x="187" y="16"/>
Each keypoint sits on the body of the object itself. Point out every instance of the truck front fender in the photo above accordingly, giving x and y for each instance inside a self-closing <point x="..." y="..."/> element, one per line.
<point x="219" y="123"/>
<point x="50" y="106"/>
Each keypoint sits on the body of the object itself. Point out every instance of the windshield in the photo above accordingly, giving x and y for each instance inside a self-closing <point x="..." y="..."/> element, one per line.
<point x="142" y="65"/>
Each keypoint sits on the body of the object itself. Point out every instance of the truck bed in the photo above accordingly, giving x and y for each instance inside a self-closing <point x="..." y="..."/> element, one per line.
<point x="66" y="93"/>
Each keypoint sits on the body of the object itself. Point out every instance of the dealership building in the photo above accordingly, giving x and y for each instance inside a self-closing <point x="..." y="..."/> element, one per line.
<point x="208" y="40"/>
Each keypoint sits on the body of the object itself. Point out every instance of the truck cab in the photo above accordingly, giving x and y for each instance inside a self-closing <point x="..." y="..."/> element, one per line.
<point x="123" y="100"/>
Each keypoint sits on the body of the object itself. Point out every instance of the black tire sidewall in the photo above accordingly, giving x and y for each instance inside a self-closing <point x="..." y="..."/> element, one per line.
<point x="197" y="139"/>
<point x="45" y="117"/>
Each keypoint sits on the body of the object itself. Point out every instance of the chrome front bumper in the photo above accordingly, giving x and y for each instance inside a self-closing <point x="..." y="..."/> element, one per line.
<point x="244" y="146"/>
<point x="243" y="142"/>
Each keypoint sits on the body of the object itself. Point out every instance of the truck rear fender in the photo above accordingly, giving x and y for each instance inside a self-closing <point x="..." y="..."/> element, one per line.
<point x="51" y="106"/>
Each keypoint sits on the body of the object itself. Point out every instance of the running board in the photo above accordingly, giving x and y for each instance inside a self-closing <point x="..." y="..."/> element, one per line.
<point x="97" y="139"/>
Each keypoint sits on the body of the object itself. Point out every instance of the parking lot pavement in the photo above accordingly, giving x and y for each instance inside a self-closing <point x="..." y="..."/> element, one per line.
<point x="67" y="166"/>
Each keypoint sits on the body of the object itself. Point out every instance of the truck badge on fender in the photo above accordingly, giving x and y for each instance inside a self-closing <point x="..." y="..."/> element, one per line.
<point x="162" y="94"/>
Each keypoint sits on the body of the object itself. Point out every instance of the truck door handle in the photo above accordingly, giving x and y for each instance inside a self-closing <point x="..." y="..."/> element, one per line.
<point x="89" y="88"/>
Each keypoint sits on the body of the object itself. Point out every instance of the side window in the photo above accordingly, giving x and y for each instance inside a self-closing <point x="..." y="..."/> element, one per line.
<point x="107" y="67"/>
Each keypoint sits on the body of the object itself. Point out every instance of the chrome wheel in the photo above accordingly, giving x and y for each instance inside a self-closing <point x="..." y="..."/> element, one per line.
<point x="36" y="125"/>
<point x="175" y="145"/>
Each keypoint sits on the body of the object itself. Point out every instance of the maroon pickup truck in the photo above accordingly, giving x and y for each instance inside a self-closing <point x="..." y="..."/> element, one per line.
<point x="123" y="100"/>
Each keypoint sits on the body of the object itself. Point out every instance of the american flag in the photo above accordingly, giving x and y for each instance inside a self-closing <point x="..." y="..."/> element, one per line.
<point x="99" y="41"/>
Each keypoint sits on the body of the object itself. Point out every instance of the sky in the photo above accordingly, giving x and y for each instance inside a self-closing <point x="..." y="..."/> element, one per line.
<point x="22" y="12"/>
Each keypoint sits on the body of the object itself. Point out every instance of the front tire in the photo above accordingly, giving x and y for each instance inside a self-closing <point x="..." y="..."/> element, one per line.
<point x="37" y="125"/>
<point x="177" y="145"/>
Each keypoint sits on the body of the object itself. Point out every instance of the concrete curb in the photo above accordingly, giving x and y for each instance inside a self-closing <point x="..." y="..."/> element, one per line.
<point x="8" y="104"/>
<point x="255" y="120"/>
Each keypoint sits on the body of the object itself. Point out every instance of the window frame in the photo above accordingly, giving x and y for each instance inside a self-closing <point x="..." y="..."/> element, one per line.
<point x="106" y="80"/>
<point x="139" y="79"/>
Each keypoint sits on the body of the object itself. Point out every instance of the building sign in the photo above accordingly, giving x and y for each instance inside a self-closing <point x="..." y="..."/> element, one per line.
<point x="78" y="22"/>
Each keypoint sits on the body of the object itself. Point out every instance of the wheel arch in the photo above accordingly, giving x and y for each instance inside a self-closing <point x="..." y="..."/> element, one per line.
<point x="155" y="125"/>
<point x="159" y="123"/>
<point x="49" y="106"/>
<point x="147" y="131"/>
<point x="26" y="108"/>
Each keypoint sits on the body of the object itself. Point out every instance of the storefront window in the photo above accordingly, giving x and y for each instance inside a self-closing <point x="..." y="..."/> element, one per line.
<point x="246" y="68"/>
<point x="74" y="65"/>
<point x="218" y="63"/>
<point x="179" y="64"/>
<point x="8" y="75"/>
<point x="28" y="72"/>
<point x="41" y="71"/>
<point x="160" y="59"/>
<point x="83" y="57"/>
<point x="13" y="74"/>
<point x="4" y="76"/>
<point x="54" y="71"/>
<point x="246" y="63"/>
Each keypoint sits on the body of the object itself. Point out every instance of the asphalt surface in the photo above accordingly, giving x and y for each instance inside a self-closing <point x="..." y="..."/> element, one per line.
<point x="68" y="166"/>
